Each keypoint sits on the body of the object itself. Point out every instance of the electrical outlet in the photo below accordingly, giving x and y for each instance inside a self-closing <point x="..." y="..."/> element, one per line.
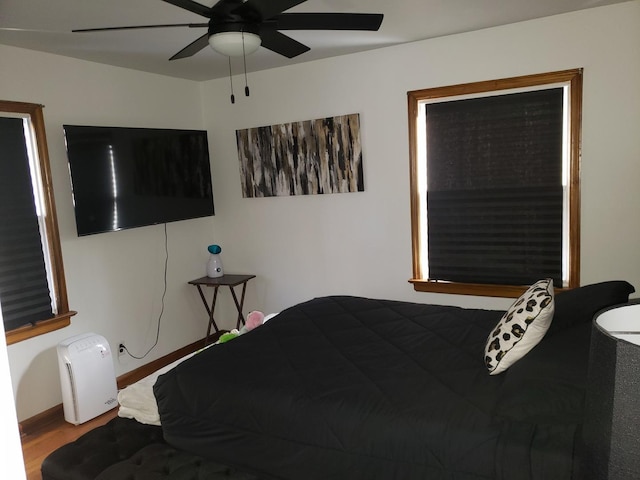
<point x="122" y="351"/>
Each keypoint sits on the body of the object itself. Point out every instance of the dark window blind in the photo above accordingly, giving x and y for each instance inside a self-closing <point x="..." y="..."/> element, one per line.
<point x="494" y="188"/>
<point x="24" y="290"/>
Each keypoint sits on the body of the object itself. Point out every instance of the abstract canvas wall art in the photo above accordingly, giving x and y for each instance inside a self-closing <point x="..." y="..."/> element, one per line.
<point x="301" y="158"/>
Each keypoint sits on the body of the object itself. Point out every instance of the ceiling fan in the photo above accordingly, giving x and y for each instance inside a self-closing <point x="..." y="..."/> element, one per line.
<point x="239" y="27"/>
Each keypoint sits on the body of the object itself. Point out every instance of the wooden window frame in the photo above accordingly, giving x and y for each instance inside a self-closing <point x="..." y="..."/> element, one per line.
<point x="573" y="78"/>
<point x="63" y="315"/>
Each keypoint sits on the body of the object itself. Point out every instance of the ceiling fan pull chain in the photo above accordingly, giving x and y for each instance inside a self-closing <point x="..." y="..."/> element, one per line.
<point x="233" y="98"/>
<point x="244" y="59"/>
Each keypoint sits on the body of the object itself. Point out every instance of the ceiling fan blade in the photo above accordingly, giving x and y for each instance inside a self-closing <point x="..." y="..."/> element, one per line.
<point x="139" y="27"/>
<point x="280" y="43"/>
<point x="192" y="6"/>
<point x="329" y="21"/>
<point x="193" y="47"/>
<point x="264" y="8"/>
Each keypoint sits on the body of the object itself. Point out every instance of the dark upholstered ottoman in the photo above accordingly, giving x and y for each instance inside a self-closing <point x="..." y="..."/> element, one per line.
<point x="98" y="449"/>
<point x="124" y="449"/>
<point x="161" y="461"/>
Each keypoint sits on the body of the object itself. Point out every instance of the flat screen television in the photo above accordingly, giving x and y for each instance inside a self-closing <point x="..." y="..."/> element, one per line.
<point x="131" y="177"/>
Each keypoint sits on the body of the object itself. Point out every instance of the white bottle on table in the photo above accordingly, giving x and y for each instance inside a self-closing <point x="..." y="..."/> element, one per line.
<point x="214" y="265"/>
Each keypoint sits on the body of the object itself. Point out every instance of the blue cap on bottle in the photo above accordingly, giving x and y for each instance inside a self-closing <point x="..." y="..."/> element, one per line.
<point x="214" y="249"/>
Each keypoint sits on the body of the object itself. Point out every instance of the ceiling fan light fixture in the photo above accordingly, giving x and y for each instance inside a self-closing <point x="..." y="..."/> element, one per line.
<point x="233" y="44"/>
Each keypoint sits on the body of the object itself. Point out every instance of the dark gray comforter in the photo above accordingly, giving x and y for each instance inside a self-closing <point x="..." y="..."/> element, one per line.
<point x="351" y="388"/>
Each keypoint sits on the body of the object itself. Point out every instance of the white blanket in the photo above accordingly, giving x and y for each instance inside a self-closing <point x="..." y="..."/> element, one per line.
<point x="137" y="400"/>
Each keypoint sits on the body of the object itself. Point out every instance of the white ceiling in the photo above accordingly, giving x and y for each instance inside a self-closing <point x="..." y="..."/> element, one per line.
<point x="46" y="25"/>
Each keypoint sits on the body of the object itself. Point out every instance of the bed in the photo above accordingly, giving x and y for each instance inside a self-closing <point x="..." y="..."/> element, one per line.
<point x="344" y="387"/>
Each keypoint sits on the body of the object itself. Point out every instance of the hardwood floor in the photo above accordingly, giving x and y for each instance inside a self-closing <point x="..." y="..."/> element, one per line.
<point x="43" y="440"/>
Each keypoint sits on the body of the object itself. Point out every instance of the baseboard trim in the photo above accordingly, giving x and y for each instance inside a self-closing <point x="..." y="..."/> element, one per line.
<point x="139" y="373"/>
<point x="31" y="425"/>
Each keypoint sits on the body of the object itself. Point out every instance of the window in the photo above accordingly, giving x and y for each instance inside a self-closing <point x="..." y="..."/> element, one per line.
<point x="32" y="286"/>
<point x="495" y="184"/>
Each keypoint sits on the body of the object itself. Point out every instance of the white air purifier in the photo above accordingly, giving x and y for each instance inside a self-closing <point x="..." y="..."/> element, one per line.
<point x="87" y="377"/>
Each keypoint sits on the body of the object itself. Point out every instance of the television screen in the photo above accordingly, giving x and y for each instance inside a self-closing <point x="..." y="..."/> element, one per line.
<point x="132" y="177"/>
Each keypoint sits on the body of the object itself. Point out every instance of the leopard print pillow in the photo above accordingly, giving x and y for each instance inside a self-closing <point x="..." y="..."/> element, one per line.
<point x="521" y="327"/>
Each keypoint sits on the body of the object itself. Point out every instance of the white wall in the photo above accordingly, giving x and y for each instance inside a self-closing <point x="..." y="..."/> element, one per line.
<point x="306" y="246"/>
<point x="360" y="243"/>
<point x="114" y="280"/>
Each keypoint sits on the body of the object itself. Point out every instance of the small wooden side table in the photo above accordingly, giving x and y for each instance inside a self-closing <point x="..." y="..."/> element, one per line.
<point x="228" y="280"/>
